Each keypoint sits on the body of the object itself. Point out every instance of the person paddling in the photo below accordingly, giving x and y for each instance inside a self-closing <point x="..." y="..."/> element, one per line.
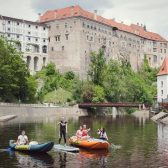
<point x="63" y="129"/>
<point x="22" y="139"/>
<point x="103" y="134"/>
<point x="79" y="133"/>
<point x="85" y="132"/>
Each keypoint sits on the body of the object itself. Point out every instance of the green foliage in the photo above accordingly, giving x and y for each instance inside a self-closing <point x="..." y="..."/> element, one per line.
<point x="98" y="94"/>
<point x="119" y="82"/>
<point x="59" y="96"/>
<point x="14" y="75"/>
<point x="97" y="66"/>
<point x="69" y="75"/>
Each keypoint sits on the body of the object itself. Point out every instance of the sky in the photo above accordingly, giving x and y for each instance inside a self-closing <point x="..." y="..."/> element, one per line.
<point x="152" y="13"/>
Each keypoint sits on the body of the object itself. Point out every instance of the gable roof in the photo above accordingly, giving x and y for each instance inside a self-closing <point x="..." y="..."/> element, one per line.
<point x="73" y="11"/>
<point x="164" y="68"/>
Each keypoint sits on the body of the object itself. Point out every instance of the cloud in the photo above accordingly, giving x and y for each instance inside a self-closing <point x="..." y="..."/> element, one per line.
<point x="18" y="8"/>
<point x="43" y="5"/>
<point x="151" y="13"/>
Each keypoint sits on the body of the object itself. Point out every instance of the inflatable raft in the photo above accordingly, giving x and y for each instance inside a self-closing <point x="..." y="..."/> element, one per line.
<point x="90" y="143"/>
<point x="32" y="148"/>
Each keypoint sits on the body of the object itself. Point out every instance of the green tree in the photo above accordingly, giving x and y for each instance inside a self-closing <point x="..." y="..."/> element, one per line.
<point x="97" y="66"/>
<point x="14" y="74"/>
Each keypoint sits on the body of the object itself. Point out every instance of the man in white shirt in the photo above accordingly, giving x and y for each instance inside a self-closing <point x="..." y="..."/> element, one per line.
<point x="22" y="139"/>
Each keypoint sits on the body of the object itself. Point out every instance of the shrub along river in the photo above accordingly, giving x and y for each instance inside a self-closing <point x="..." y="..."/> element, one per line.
<point x="138" y="143"/>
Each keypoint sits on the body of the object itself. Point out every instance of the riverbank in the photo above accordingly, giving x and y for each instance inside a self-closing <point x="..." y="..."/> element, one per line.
<point x="36" y="112"/>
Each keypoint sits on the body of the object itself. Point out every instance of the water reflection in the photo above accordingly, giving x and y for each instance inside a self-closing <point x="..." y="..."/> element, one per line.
<point x="62" y="159"/>
<point x="27" y="161"/>
<point x="100" y="155"/>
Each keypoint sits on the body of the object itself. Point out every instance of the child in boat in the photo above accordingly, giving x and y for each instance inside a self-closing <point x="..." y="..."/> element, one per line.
<point x="79" y="133"/>
<point x="85" y="132"/>
<point x="22" y="139"/>
<point x="63" y="129"/>
<point x="102" y="133"/>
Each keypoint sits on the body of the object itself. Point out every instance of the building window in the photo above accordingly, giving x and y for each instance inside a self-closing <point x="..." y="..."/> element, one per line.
<point x="17" y="36"/>
<point x="36" y="63"/>
<point x="66" y="36"/>
<point x="18" y="23"/>
<point x="8" y="21"/>
<point x="29" y="32"/>
<point x="29" y="26"/>
<point x="44" y="28"/>
<point x="8" y="35"/>
<point x="66" y="25"/>
<point x="28" y="61"/>
<point x="165" y="45"/>
<point x="8" y="29"/>
<point x="44" y="61"/>
<point x="62" y="48"/>
<point x="36" y="27"/>
<point x="29" y="38"/>
<point x="154" y="49"/>
<point x="57" y="38"/>
<point x="161" y="83"/>
<point x="52" y="48"/>
<point x="49" y="39"/>
<point x="162" y="92"/>
<point x="83" y="24"/>
<point x="36" y="39"/>
<point x="164" y="50"/>
<point x="44" y="40"/>
<point x="44" y="49"/>
<point x="155" y="58"/>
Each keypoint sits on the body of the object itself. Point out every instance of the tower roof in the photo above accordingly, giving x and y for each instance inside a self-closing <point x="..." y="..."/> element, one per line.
<point x="164" y="68"/>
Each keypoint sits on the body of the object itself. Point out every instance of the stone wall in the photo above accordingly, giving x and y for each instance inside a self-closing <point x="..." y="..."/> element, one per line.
<point x="30" y="113"/>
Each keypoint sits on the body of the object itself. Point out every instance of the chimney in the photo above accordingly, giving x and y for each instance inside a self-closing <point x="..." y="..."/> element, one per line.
<point x="39" y="16"/>
<point x="95" y="14"/>
<point x="137" y="24"/>
<point x="145" y="28"/>
<point x="55" y="14"/>
<point x="72" y="10"/>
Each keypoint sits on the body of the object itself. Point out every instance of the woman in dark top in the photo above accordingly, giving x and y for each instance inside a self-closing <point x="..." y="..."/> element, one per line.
<point x="62" y="130"/>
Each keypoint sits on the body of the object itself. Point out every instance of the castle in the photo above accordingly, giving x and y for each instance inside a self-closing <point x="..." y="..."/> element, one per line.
<point x="67" y="37"/>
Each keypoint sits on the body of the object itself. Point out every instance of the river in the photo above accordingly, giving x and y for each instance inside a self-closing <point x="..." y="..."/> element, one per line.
<point x="137" y="141"/>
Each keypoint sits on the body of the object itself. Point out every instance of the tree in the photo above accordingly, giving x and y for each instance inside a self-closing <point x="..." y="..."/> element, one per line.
<point x="97" y="66"/>
<point x="14" y="74"/>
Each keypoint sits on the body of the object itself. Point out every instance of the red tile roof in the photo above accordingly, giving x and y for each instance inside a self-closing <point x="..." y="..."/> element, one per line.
<point x="164" y="67"/>
<point x="78" y="11"/>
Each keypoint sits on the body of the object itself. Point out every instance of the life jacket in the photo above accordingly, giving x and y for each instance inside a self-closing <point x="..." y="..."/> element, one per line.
<point x="84" y="133"/>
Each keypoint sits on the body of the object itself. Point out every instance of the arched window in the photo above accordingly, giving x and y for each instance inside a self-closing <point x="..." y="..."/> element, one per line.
<point x="44" y="61"/>
<point x="44" y="49"/>
<point x="28" y="61"/>
<point x="36" y="63"/>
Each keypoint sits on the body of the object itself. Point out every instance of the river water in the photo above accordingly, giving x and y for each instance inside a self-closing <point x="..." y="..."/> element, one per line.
<point x="137" y="143"/>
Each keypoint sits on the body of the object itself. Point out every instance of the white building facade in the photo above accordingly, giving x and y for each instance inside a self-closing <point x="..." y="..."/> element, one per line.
<point x="162" y="82"/>
<point x="31" y="37"/>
